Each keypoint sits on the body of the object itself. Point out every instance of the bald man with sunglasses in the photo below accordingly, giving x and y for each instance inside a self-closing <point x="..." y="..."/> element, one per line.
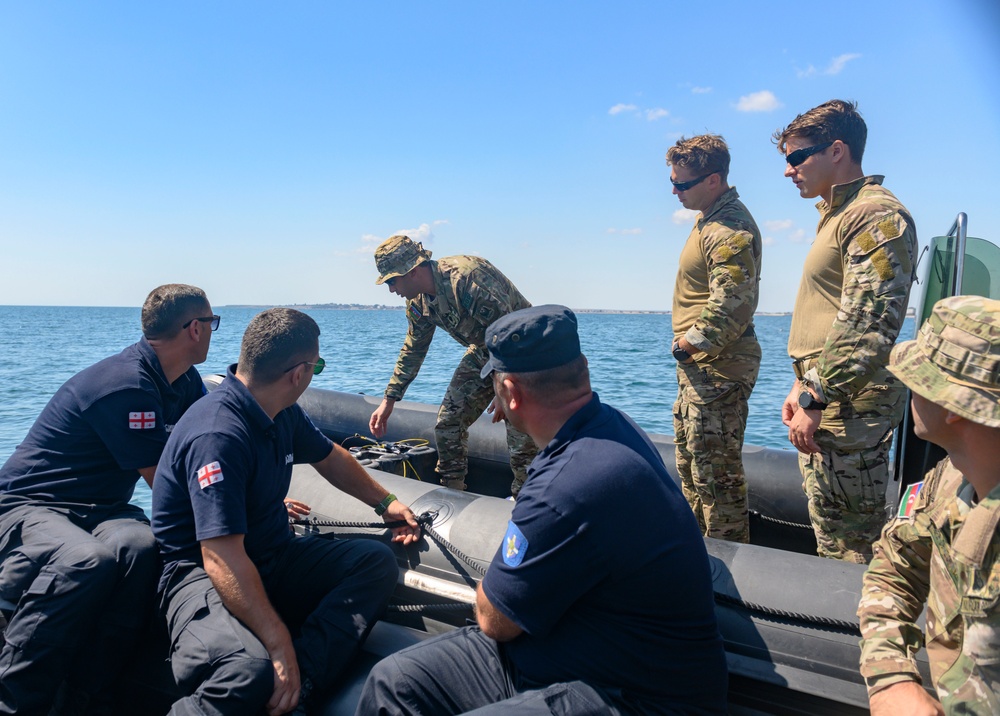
<point x="844" y="404"/>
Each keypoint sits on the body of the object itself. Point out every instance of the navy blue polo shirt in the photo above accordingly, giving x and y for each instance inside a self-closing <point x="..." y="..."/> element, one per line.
<point x="605" y="569"/>
<point x="100" y="427"/>
<point x="226" y="470"/>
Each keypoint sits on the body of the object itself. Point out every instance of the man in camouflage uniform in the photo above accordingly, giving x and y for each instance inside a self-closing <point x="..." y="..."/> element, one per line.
<point x="717" y="353"/>
<point x="462" y="295"/>
<point x="844" y="404"/>
<point x="943" y="547"/>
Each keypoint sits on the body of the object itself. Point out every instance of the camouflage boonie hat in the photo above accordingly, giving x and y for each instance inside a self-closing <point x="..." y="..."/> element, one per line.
<point x="397" y="256"/>
<point x="955" y="360"/>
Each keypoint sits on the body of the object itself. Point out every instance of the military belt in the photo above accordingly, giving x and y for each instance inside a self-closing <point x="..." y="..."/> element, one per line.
<point x="801" y="367"/>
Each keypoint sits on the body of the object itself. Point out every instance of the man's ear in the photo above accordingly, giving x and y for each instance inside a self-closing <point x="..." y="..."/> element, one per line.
<point x="513" y="393"/>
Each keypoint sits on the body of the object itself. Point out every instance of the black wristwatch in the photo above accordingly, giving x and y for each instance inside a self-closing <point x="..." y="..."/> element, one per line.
<point x="680" y="355"/>
<point x="808" y="402"/>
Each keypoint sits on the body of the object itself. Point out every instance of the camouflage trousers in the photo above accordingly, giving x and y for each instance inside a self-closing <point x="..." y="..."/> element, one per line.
<point x="846" y="481"/>
<point x="710" y="419"/>
<point x="467" y="397"/>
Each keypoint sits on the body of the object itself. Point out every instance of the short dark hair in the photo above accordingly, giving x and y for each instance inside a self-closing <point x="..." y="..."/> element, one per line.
<point x="836" y="119"/>
<point x="704" y="154"/>
<point x="170" y="306"/>
<point x="553" y="383"/>
<point x="275" y="340"/>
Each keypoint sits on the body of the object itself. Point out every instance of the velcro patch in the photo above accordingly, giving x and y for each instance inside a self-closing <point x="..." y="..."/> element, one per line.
<point x="209" y="474"/>
<point x="888" y="228"/>
<point x="867" y="242"/>
<point x="909" y="500"/>
<point x="514" y="545"/>
<point x="141" y="420"/>
<point x="883" y="266"/>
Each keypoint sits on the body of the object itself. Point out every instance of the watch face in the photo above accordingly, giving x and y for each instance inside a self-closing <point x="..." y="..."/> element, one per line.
<point x="805" y="399"/>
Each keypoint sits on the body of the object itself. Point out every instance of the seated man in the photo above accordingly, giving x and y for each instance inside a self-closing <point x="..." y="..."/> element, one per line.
<point x="257" y="616"/>
<point x="599" y="599"/>
<point x="76" y="558"/>
<point x="942" y="549"/>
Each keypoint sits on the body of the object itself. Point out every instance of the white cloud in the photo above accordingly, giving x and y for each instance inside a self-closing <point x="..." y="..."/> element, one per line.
<point x="767" y="241"/>
<point x="836" y="66"/>
<point x="421" y="233"/>
<point x="798" y="236"/>
<point x="658" y="113"/>
<point x="619" y="108"/>
<point x="625" y="232"/>
<point x="438" y="222"/>
<point x="778" y="224"/>
<point x="684" y="216"/>
<point x="763" y="101"/>
<point x="809" y="71"/>
<point x="700" y="90"/>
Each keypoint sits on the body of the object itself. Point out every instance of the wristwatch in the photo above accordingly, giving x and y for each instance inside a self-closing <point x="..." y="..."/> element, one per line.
<point x="808" y="402"/>
<point x="680" y="355"/>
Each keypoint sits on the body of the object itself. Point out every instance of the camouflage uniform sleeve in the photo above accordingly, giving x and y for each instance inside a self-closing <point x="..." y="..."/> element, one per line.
<point x="419" y="333"/>
<point x="893" y="595"/>
<point x="879" y="246"/>
<point x="733" y="285"/>
<point x="485" y="296"/>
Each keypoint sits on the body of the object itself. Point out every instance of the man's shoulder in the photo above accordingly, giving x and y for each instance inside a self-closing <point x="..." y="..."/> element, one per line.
<point x="121" y="372"/>
<point x="873" y="199"/>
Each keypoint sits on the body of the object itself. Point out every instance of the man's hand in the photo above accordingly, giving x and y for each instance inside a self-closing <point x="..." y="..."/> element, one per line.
<point x="286" y="681"/>
<point x="906" y="697"/>
<point x="683" y="344"/>
<point x="296" y="509"/>
<point x="802" y="428"/>
<point x="380" y="418"/>
<point x="496" y="410"/>
<point x="791" y="404"/>
<point x="409" y="533"/>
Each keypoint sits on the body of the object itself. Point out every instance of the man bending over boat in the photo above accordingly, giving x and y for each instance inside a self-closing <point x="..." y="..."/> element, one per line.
<point x="77" y="560"/>
<point x="943" y="547"/>
<point x="844" y="404"/>
<point x="462" y="295"/>
<point x="714" y="344"/>
<point x="599" y="599"/>
<point x="258" y="617"/>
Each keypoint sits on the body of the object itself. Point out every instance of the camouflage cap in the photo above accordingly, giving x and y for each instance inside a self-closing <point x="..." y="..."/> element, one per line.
<point x="955" y="359"/>
<point x="397" y="256"/>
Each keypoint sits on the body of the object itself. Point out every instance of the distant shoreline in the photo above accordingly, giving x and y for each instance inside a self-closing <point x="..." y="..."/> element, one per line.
<point x="382" y="307"/>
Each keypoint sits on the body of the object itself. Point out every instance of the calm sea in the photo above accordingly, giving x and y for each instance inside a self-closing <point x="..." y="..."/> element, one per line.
<point x="629" y="355"/>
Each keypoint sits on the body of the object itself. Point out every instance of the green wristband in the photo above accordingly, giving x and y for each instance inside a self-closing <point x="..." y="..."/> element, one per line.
<point x="381" y="507"/>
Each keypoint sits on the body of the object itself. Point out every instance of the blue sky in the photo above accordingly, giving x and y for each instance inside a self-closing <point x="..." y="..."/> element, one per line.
<point x="261" y="150"/>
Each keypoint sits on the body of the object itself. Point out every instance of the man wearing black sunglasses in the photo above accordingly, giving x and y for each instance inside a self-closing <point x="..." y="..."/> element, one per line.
<point x="844" y="404"/>
<point x="714" y="344"/>
<point x="78" y="561"/>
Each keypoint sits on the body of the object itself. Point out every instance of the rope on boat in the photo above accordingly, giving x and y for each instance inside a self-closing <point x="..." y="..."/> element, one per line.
<point x="418" y="608"/>
<point x="776" y="521"/>
<point x="808" y="619"/>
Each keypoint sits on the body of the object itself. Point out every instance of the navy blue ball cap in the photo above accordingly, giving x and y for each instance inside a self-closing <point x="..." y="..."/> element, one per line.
<point x="536" y="338"/>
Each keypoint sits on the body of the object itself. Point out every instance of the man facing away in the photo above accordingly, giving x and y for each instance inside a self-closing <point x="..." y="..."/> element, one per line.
<point x="714" y="343"/>
<point x="599" y="599"/>
<point x="462" y="295"/>
<point x="943" y="547"/>
<point x="258" y="617"/>
<point x="844" y="404"/>
<point x="76" y="558"/>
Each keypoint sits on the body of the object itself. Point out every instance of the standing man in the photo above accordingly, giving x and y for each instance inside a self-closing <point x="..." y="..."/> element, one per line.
<point x="257" y="616"/>
<point x="462" y="295"/>
<point x="943" y="548"/>
<point x="599" y="599"/>
<point x="844" y="404"/>
<point x="76" y="558"/>
<point x="714" y="343"/>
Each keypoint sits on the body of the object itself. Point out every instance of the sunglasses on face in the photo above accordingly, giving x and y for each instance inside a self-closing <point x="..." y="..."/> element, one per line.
<point x="391" y="281"/>
<point x="685" y="185"/>
<point x="214" y="320"/>
<point x="800" y="155"/>
<point x="318" y="366"/>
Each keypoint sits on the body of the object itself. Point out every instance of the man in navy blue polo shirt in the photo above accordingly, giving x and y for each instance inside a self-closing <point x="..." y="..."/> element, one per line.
<point x="77" y="560"/>
<point x="599" y="599"/>
<point x="254" y="612"/>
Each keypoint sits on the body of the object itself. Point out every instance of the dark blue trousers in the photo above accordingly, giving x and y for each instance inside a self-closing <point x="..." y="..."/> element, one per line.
<point x="328" y="592"/>
<point x="83" y="580"/>
<point x="465" y="672"/>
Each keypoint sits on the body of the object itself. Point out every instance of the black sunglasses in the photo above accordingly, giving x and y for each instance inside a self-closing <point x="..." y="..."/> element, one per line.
<point x="685" y="185"/>
<point x="318" y="366"/>
<point x="391" y="281"/>
<point x="205" y="319"/>
<point x="800" y="155"/>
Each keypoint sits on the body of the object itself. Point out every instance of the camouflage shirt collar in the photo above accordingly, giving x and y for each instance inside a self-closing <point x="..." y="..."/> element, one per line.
<point x="442" y="289"/>
<point x="842" y="193"/>
<point x="728" y="197"/>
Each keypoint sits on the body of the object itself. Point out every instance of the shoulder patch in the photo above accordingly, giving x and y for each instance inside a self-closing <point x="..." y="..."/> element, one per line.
<point x="514" y="545"/>
<point x="909" y="500"/>
<point x="209" y="474"/>
<point x="414" y="310"/>
<point x="141" y="420"/>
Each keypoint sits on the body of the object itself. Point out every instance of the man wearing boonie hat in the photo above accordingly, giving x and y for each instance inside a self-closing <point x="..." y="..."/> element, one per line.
<point x="599" y="598"/>
<point x="943" y="547"/>
<point x="462" y="295"/>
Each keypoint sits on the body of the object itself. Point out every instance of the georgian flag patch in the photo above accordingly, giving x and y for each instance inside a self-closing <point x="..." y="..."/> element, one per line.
<point x="140" y="420"/>
<point x="209" y="474"/>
